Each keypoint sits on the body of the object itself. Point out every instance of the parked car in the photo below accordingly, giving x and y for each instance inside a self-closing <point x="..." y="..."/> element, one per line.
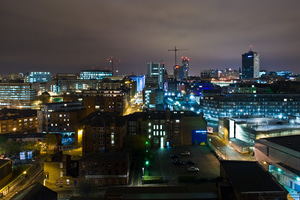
<point x="193" y="169"/>
<point x="174" y="156"/>
<point x="185" y="153"/>
<point x="178" y="162"/>
<point x="190" y="162"/>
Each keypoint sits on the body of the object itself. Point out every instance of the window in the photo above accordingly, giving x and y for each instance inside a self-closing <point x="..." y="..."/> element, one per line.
<point x="61" y="174"/>
<point x="61" y="165"/>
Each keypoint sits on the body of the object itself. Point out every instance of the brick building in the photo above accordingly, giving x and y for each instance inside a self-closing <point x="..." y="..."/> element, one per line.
<point x="101" y="169"/>
<point x="101" y="132"/>
<point x="56" y="169"/>
<point x="165" y="128"/>
<point x="18" y="121"/>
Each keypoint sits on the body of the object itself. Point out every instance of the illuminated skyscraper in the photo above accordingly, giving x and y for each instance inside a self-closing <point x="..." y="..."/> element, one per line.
<point x="182" y="72"/>
<point x="185" y="66"/>
<point x="157" y="71"/>
<point x="250" y="65"/>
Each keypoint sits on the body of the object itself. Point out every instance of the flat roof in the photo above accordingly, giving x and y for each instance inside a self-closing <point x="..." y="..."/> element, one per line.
<point x="165" y="192"/>
<point x="290" y="142"/>
<point x="250" y="177"/>
<point x="266" y="124"/>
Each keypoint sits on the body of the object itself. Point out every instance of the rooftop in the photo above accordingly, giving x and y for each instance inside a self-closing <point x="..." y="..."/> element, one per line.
<point x="249" y="177"/>
<point x="290" y="142"/>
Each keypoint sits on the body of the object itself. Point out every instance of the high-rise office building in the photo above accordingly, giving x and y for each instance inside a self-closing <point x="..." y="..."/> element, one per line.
<point x="250" y="65"/>
<point x="182" y="72"/>
<point x="186" y="68"/>
<point x="156" y="70"/>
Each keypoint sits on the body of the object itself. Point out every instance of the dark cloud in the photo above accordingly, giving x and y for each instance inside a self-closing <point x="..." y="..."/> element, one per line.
<point x="68" y="36"/>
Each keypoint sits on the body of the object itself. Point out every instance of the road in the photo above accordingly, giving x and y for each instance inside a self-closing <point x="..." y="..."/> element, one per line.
<point x="226" y="151"/>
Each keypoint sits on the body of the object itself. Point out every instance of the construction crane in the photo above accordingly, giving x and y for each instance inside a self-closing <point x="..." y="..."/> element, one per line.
<point x="112" y="60"/>
<point x="175" y="50"/>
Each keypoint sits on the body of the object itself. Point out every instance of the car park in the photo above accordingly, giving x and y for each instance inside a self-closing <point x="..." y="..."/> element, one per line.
<point x="193" y="169"/>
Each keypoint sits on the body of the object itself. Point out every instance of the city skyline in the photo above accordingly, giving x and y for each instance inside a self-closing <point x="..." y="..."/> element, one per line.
<point x="69" y="36"/>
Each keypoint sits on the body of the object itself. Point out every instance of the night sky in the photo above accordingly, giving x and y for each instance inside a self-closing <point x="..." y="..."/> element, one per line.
<point x="72" y="35"/>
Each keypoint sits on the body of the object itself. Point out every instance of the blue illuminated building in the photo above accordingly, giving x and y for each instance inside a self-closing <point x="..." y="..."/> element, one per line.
<point x="34" y="77"/>
<point x="279" y="106"/>
<point x="198" y="87"/>
<point x="94" y="74"/>
<point x="140" y="82"/>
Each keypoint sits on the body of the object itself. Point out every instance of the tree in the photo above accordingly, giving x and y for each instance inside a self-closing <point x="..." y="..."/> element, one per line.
<point x="3" y="140"/>
<point x="44" y="97"/>
<point x="12" y="147"/>
<point x="50" y="141"/>
<point x="30" y="145"/>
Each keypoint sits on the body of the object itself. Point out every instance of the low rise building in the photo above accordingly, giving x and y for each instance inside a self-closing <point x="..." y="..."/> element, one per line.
<point x="248" y="180"/>
<point x="100" y="169"/>
<point x="243" y="132"/>
<point x="60" y="117"/>
<point x="56" y="169"/>
<point x="18" y="121"/>
<point x="281" y="156"/>
<point x="36" y="191"/>
<point x="168" y="128"/>
<point x="6" y="169"/>
<point x="101" y="132"/>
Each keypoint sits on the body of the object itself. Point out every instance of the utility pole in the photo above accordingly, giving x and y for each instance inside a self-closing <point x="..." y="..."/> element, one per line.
<point x="175" y="50"/>
<point x="112" y="60"/>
